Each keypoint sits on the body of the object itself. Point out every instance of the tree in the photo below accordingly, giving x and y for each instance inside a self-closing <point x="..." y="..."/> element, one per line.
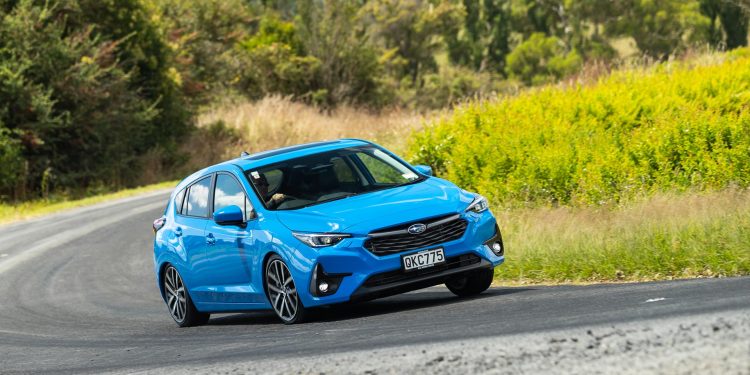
<point x="536" y="16"/>
<point x="350" y="70"/>
<point x="413" y="30"/>
<point x="498" y="22"/>
<point x="67" y="106"/>
<point x="142" y="50"/>
<point x="204" y="36"/>
<point x="733" y="16"/>
<point x="483" y="42"/>
<point x="659" y="27"/>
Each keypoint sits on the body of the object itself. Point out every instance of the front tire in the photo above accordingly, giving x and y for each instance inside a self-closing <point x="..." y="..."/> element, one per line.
<point x="180" y="306"/>
<point x="471" y="284"/>
<point x="282" y="292"/>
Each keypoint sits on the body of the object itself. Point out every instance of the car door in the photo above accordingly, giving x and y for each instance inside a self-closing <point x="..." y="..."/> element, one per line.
<point x="191" y="219"/>
<point x="230" y="252"/>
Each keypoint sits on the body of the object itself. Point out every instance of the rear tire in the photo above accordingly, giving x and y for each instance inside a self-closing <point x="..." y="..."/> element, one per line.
<point x="471" y="284"/>
<point x="180" y="306"/>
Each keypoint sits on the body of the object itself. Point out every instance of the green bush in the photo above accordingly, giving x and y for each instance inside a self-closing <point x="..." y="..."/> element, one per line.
<point x="541" y="59"/>
<point x="277" y="63"/>
<point x="633" y="133"/>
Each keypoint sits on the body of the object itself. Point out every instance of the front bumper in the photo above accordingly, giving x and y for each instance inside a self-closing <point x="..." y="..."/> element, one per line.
<point x="396" y="282"/>
<point x="362" y="268"/>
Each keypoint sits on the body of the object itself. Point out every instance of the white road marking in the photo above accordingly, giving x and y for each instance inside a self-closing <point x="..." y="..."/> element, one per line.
<point x="655" y="299"/>
<point x="70" y="235"/>
<point x="3" y="255"/>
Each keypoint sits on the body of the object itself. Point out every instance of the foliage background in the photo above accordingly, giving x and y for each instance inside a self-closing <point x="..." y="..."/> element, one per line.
<point x="636" y="132"/>
<point x="98" y="95"/>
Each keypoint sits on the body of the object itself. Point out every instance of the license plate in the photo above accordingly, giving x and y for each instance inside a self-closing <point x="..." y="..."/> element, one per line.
<point x="423" y="259"/>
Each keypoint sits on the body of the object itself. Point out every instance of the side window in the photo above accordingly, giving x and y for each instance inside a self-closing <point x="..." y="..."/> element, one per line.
<point x="178" y="201"/>
<point x="382" y="172"/>
<point x="197" y="199"/>
<point x="228" y="192"/>
<point x="342" y="170"/>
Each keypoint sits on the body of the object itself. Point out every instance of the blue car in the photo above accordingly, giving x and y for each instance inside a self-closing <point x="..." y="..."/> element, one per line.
<point x="317" y="224"/>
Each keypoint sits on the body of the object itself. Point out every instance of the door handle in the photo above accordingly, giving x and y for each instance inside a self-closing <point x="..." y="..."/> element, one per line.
<point x="178" y="231"/>
<point x="210" y="239"/>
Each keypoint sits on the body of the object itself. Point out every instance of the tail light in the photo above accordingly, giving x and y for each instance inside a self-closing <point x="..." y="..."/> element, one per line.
<point x="159" y="223"/>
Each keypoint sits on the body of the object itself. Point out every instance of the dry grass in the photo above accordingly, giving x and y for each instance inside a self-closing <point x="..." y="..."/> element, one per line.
<point x="664" y="237"/>
<point x="277" y="121"/>
<point x="30" y="209"/>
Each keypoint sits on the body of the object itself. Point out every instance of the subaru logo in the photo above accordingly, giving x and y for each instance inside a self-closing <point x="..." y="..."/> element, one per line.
<point x="416" y="228"/>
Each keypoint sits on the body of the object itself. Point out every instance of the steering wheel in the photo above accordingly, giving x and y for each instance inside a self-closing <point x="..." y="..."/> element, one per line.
<point x="277" y="203"/>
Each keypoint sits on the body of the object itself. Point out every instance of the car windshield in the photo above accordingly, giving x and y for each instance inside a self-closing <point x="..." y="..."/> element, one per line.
<point x="328" y="176"/>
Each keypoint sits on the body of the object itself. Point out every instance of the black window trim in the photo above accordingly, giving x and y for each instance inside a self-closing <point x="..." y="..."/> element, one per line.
<point x="210" y="196"/>
<point x="247" y="196"/>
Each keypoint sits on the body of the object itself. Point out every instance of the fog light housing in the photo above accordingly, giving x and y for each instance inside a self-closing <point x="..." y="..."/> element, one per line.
<point x="495" y="243"/>
<point x="325" y="284"/>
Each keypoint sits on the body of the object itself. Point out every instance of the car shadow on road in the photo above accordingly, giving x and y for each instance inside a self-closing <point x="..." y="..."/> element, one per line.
<point x="427" y="298"/>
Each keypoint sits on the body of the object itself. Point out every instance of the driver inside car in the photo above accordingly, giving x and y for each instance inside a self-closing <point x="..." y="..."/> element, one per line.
<point x="262" y="184"/>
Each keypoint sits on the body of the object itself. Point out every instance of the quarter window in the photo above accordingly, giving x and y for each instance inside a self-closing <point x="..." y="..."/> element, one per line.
<point x="178" y="201"/>
<point x="197" y="199"/>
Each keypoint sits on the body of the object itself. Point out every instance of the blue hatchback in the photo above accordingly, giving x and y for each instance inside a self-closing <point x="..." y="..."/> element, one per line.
<point x="318" y="224"/>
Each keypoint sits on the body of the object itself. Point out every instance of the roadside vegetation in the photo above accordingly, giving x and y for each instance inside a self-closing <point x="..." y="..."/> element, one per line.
<point x="640" y="175"/>
<point x="664" y="237"/>
<point x="668" y="127"/>
<point x="277" y="121"/>
<point x="107" y="93"/>
<point x="54" y="204"/>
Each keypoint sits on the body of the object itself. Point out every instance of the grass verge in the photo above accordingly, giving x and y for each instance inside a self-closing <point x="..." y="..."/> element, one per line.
<point x="662" y="238"/>
<point x="30" y="209"/>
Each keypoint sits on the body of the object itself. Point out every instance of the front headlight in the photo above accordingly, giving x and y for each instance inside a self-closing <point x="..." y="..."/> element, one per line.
<point x="320" y="239"/>
<point x="478" y="205"/>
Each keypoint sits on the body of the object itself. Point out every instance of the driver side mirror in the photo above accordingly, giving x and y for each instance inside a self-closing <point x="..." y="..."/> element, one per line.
<point x="424" y="169"/>
<point x="230" y="215"/>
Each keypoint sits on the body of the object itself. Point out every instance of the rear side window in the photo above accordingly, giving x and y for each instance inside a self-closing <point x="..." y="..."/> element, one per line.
<point x="178" y="201"/>
<point x="196" y="203"/>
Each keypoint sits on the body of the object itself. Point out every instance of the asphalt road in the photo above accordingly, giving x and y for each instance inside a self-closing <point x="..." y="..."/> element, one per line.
<point x="77" y="294"/>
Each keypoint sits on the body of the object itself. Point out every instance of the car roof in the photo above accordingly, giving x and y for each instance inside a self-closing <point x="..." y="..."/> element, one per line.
<point x="247" y="162"/>
<point x="290" y="152"/>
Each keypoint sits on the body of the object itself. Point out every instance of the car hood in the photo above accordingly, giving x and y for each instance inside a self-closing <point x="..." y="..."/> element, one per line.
<point x="361" y="214"/>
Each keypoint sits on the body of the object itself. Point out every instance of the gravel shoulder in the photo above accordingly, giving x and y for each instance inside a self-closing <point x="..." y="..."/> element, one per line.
<point x="709" y="343"/>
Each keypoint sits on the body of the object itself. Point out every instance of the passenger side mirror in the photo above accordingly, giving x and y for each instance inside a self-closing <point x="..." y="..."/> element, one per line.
<point x="424" y="169"/>
<point x="230" y="215"/>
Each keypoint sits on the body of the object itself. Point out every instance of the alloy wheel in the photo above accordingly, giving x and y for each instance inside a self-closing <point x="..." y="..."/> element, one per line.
<point x="281" y="290"/>
<point x="174" y="289"/>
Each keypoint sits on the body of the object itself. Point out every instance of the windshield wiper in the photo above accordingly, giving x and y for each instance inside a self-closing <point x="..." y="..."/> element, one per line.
<point x="420" y="179"/>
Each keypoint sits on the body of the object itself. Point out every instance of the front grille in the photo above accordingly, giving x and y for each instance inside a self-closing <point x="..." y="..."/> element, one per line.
<point x="398" y="239"/>
<point x="401" y="275"/>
